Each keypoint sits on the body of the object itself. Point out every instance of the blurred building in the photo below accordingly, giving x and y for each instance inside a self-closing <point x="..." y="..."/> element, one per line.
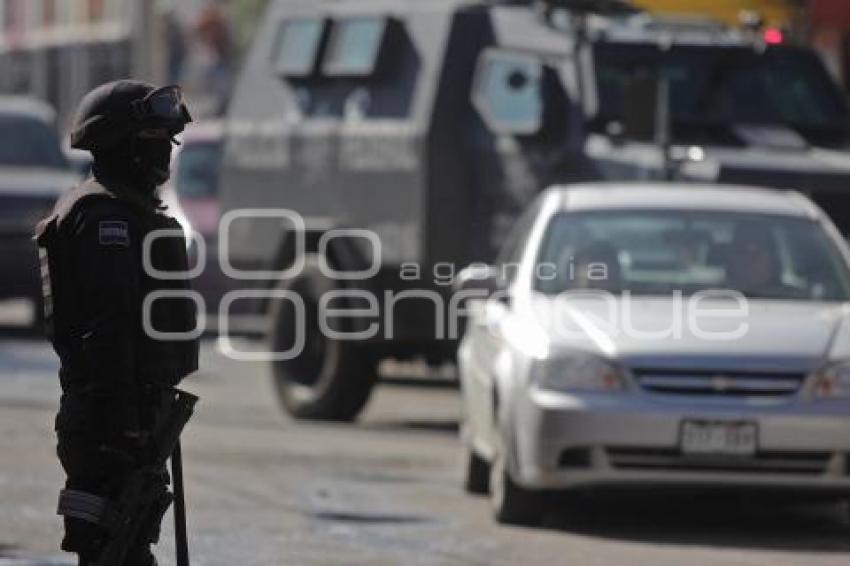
<point x="56" y="50"/>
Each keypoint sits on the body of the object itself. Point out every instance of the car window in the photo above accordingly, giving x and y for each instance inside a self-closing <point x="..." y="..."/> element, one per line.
<point x="659" y="253"/>
<point x="28" y="142"/>
<point x="712" y="89"/>
<point x="198" y="170"/>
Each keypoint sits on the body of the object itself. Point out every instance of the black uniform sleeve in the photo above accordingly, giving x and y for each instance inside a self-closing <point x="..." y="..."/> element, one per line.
<point x="108" y="261"/>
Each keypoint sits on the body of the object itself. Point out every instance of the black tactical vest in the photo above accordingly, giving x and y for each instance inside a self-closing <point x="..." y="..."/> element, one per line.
<point x="161" y="361"/>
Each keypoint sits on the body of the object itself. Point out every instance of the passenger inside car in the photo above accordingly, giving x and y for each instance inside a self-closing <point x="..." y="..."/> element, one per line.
<point x="597" y="267"/>
<point x="754" y="267"/>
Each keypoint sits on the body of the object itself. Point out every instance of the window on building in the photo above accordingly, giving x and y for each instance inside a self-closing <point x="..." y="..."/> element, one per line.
<point x="49" y="13"/>
<point x="33" y="16"/>
<point x="297" y="46"/>
<point x="13" y="16"/>
<point x="95" y="11"/>
<point x="65" y="13"/>
<point x="117" y="10"/>
<point x="355" y="46"/>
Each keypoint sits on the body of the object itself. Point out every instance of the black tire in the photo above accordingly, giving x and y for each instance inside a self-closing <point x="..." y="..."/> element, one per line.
<point x="331" y="380"/>
<point x="477" y="478"/>
<point x="513" y="504"/>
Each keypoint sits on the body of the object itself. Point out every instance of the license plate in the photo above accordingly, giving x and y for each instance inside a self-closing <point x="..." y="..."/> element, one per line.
<point x="719" y="437"/>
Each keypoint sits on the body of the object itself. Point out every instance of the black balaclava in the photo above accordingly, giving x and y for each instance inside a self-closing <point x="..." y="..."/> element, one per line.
<point x="136" y="167"/>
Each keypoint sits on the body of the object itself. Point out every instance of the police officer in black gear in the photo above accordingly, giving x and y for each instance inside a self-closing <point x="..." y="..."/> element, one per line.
<point x="113" y="371"/>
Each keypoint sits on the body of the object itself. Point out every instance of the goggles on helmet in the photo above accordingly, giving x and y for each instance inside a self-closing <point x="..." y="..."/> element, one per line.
<point x="165" y="104"/>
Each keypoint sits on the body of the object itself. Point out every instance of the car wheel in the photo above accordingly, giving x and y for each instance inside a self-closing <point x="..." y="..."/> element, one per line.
<point x="329" y="379"/>
<point x="512" y="504"/>
<point x="477" y="473"/>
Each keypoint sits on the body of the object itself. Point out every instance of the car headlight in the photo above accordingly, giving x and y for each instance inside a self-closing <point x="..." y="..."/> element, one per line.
<point x="578" y="372"/>
<point x="833" y="381"/>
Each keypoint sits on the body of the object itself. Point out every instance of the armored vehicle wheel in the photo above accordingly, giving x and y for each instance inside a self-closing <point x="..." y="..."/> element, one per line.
<point x="329" y="379"/>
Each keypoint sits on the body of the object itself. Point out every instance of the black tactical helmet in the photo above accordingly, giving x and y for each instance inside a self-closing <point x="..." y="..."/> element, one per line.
<point x="115" y="111"/>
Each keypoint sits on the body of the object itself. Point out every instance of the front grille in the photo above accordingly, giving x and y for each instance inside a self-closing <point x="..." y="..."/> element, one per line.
<point x="810" y="463"/>
<point x="717" y="382"/>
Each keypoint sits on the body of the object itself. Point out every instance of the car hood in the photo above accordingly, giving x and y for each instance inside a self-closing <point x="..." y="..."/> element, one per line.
<point x="804" y="331"/>
<point x="27" y="195"/>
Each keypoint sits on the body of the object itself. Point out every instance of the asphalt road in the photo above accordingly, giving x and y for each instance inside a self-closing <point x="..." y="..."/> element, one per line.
<point x="264" y="490"/>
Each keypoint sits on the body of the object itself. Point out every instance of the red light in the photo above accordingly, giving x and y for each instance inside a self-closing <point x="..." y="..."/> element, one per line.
<point x="773" y="36"/>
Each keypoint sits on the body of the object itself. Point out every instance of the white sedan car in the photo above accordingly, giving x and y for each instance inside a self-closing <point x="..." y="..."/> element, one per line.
<point x="659" y="335"/>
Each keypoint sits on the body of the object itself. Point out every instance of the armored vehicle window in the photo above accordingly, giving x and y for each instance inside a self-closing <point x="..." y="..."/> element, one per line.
<point x="354" y="47"/>
<point x="508" y="92"/>
<point x="297" y="46"/>
<point x="713" y="89"/>
<point x="369" y="70"/>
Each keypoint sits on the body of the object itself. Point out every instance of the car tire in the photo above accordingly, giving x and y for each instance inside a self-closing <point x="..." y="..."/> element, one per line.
<point x="330" y="380"/>
<point x="513" y="504"/>
<point x="477" y="480"/>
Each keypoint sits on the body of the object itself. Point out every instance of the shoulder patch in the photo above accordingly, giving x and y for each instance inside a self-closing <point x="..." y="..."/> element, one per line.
<point x="113" y="233"/>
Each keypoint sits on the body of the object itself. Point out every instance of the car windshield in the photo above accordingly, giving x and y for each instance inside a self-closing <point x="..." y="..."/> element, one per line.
<point x="198" y="170"/>
<point x="28" y="142"/>
<point x="711" y="86"/>
<point x="663" y="252"/>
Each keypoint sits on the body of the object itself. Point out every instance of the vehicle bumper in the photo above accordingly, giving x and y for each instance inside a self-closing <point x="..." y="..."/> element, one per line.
<point x="577" y="441"/>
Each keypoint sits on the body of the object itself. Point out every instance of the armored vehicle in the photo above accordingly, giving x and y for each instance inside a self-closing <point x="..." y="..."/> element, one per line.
<point x="375" y="147"/>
